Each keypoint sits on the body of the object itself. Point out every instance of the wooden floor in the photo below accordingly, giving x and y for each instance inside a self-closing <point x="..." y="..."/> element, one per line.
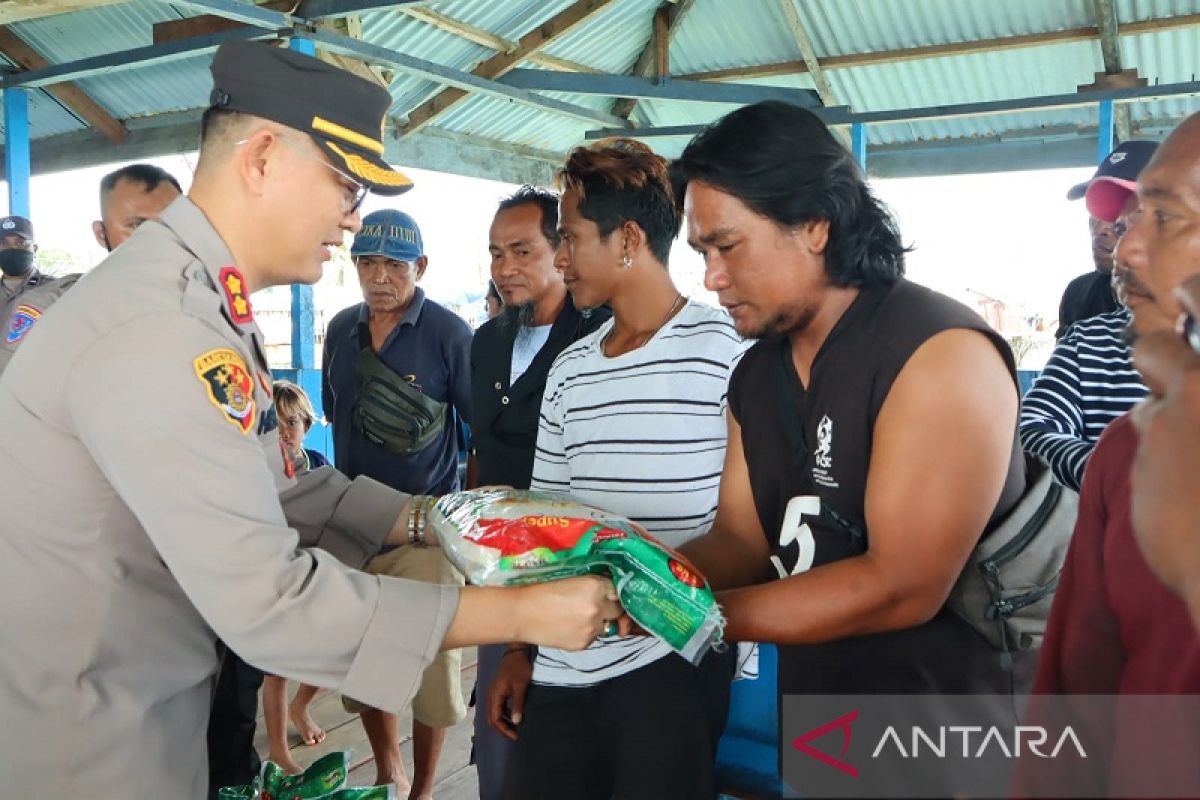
<point x="456" y="780"/>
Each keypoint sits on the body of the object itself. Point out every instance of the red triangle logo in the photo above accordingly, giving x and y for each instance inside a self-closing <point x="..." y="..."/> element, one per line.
<point x="842" y="723"/>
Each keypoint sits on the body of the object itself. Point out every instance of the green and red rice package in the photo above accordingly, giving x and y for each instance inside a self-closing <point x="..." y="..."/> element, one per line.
<point x="505" y="537"/>
<point x="324" y="780"/>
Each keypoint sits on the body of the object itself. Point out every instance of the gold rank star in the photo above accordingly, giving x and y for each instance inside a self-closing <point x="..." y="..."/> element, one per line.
<point x="240" y="306"/>
<point x="234" y="284"/>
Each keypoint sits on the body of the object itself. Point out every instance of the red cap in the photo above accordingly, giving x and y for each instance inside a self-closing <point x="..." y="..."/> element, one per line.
<point x="1106" y="197"/>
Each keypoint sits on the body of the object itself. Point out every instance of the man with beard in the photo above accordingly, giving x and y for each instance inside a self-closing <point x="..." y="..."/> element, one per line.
<point x="1092" y="293"/>
<point x="510" y="359"/>
<point x="872" y="429"/>
<point x="1089" y="380"/>
<point x="26" y="292"/>
<point x="1116" y="628"/>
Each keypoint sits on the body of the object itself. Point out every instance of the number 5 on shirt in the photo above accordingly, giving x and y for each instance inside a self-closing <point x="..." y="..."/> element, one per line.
<point x="794" y="529"/>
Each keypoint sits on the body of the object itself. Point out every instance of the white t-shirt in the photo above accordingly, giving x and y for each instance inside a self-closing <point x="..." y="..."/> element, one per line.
<point x="641" y="435"/>
<point x="526" y="346"/>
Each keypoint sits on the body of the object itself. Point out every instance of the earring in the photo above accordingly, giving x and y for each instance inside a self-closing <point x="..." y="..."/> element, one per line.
<point x="626" y="262"/>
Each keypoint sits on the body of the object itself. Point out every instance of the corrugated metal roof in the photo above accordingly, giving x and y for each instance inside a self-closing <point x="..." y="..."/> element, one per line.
<point x="716" y="34"/>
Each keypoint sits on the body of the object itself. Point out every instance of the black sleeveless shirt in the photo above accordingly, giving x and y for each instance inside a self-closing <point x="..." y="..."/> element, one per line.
<point x="808" y="451"/>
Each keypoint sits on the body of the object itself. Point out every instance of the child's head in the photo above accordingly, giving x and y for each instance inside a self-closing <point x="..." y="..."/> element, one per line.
<point x="295" y="412"/>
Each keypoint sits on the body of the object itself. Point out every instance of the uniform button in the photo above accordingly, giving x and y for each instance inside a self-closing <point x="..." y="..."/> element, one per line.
<point x="504" y="400"/>
<point x="498" y="386"/>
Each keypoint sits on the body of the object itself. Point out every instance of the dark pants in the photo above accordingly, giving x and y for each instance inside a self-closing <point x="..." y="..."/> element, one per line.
<point x="232" y="760"/>
<point x="648" y="735"/>
<point x="491" y="751"/>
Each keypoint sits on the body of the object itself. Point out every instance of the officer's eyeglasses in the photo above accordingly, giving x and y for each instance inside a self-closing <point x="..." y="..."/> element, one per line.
<point x="356" y="193"/>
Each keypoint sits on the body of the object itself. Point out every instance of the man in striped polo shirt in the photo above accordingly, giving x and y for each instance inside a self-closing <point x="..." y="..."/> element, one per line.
<point x="632" y="421"/>
<point x="1089" y="380"/>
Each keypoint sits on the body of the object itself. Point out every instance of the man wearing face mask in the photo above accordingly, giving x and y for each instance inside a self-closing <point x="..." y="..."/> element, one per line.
<point x="26" y="292"/>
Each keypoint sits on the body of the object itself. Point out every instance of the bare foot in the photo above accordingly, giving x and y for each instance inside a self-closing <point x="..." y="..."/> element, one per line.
<point x="426" y="796"/>
<point x="310" y="732"/>
<point x="401" y="781"/>
<point x="287" y="763"/>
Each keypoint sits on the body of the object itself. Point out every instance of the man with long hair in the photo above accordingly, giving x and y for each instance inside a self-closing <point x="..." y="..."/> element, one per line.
<point x="872" y="433"/>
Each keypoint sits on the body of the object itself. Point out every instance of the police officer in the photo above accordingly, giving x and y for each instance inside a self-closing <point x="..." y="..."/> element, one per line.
<point x="142" y="469"/>
<point x="25" y="291"/>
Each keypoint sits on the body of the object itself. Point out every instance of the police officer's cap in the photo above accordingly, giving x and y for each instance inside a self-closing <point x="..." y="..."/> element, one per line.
<point x="342" y="112"/>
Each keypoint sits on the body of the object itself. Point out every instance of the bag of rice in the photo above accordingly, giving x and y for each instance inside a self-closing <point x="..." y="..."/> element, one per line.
<point x="504" y="537"/>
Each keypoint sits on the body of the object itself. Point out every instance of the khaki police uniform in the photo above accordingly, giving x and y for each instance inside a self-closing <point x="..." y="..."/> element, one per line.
<point x="142" y="520"/>
<point x="24" y="308"/>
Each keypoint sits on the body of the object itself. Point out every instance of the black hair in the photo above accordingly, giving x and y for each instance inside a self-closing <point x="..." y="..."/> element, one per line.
<point x="783" y="163"/>
<point x="493" y="292"/>
<point x="545" y="200"/>
<point x="147" y="175"/>
<point x="622" y="180"/>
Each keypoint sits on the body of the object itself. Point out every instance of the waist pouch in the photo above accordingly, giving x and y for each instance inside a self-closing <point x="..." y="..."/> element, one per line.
<point x="389" y="411"/>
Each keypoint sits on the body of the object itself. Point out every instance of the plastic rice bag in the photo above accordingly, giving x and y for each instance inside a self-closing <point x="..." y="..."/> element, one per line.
<point x="324" y="780"/>
<point x="504" y="537"/>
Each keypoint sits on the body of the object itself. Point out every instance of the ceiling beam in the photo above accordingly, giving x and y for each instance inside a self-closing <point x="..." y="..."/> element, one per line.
<point x="648" y="89"/>
<point x="175" y="29"/>
<point x="21" y="10"/>
<point x="643" y="67"/>
<point x="239" y="11"/>
<point x="74" y="99"/>
<point x="662" y="43"/>
<point x="137" y="58"/>
<point x="841" y="116"/>
<point x="465" y="30"/>
<point x="1105" y="14"/>
<point x="461" y="81"/>
<point x="1085" y="34"/>
<point x="807" y="52"/>
<point x="333" y="9"/>
<point x="558" y="25"/>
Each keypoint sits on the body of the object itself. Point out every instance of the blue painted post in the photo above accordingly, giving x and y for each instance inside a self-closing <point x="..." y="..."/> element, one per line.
<point x="858" y="144"/>
<point x="304" y="339"/>
<point x="16" y="150"/>
<point x="1107" y="132"/>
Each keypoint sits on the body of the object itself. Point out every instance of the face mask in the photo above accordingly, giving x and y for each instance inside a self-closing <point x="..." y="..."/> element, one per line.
<point x="15" y="262"/>
<point x="104" y="234"/>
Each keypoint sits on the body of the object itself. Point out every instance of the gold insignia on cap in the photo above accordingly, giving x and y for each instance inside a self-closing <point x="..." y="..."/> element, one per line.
<point x="322" y="125"/>
<point x="368" y="171"/>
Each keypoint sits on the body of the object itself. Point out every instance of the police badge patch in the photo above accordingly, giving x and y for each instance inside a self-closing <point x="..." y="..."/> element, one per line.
<point x="230" y="387"/>
<point x="22" y="320"/>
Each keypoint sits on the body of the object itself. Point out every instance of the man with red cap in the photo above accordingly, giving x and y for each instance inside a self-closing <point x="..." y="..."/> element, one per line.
<point x="1089" y="380"/>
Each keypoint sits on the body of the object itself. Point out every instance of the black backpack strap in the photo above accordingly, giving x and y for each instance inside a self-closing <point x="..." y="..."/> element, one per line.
<point x="798" y="444"/>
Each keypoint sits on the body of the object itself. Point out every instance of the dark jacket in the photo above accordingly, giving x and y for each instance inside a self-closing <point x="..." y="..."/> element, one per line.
<point x="505" y="424"/>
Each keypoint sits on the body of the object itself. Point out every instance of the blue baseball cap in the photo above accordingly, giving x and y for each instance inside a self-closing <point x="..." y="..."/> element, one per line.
<point x="391" y="234"/>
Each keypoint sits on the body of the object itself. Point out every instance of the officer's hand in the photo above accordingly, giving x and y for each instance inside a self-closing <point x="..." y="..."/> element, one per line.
<point x="506" y="696"/>
<point x="570" y="613"/>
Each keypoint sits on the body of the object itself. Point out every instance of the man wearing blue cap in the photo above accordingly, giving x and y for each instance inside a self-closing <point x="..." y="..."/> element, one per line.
<point x="396" y="376"/>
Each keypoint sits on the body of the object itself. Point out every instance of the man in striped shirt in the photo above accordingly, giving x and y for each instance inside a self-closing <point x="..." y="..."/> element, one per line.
<point x="1089" y="380"/>
<point x="632" y="421"/>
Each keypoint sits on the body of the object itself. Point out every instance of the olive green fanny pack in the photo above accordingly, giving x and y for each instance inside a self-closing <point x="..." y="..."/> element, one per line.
<point x="390" y="411"/>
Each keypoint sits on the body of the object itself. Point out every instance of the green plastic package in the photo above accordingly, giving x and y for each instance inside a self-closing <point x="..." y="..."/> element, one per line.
<point x="504" y="537"/>
<point x="324" y="780"/>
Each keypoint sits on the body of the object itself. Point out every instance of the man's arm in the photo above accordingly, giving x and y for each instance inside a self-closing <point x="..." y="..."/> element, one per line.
<point x="1052" y="416"/>
<point x="734" y="552"/>
<point x="940" y="456"/>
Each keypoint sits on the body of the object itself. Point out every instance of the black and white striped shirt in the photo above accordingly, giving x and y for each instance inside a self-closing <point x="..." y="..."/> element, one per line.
<point x="641" y="435"/>
<point x="1088" y="382"/>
